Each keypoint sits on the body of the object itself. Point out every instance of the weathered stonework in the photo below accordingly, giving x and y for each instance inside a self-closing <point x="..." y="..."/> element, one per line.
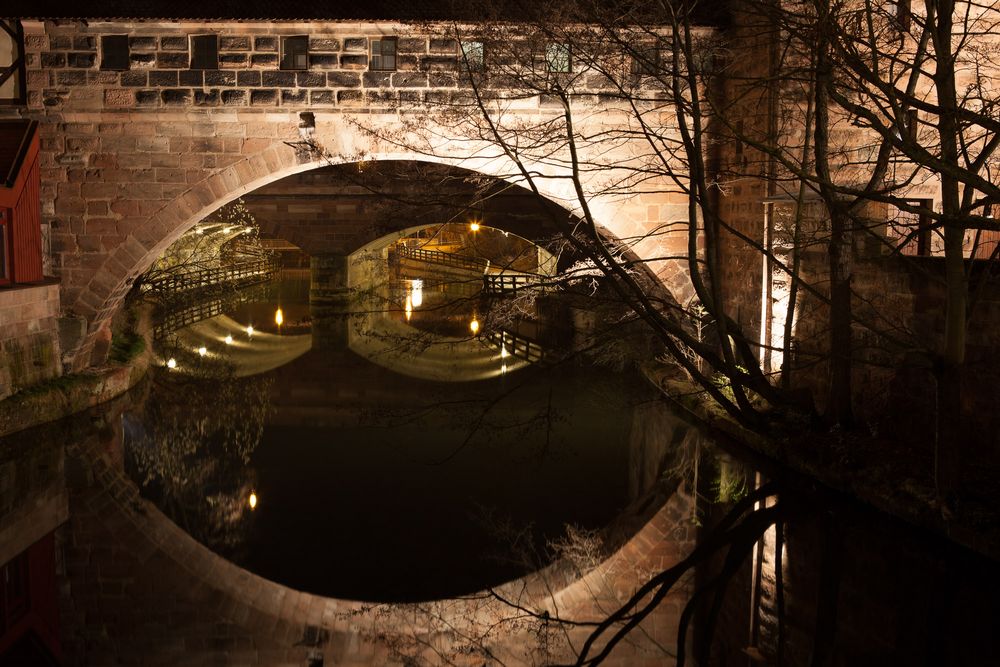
<point x="29" y="336"/>
<point x="130" y="159"/>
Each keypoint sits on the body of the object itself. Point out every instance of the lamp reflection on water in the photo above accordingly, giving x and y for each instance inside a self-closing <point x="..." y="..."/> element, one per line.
<point x="279" y="317"/>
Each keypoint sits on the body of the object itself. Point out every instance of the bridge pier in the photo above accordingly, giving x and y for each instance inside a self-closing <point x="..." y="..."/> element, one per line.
<point x="330" y="301"/>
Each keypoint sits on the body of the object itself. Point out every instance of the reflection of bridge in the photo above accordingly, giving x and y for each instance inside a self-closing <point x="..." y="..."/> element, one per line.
<point x="168" y="319"/>
<point x="516" y="345"/>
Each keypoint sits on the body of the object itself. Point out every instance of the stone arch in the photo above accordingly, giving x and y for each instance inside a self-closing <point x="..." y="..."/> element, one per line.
<point x="344" y="140"/>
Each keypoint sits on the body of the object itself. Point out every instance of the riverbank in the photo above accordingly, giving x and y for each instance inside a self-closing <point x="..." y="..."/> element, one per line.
<point x="878" y="471"/>
<point x="69" y="394"/>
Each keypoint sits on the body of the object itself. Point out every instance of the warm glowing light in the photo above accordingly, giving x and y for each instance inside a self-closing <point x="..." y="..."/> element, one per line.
<point x="503" y="369"/>
<point x="253" y="500"/>
<point x="171" y="363"/>
<point x="474" y="325"/>
<point x="250" y="330"/>
<point x="199" y="231"/>
<point x="503" y="351"/>
<point x="227" y="230"/>
<point x="202" y="351"/>
<point x="418" y="292"/>
<point x="474" y="226"/>
<point x="279" y="317"/>
<point x="408" y="309"/>
<point x="229" y="339"/>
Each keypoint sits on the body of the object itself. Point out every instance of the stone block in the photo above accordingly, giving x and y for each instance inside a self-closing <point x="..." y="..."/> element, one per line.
<point x="143" y="43"/>
<point x="416" y="45"/>
<point x="163" y="78"/>
<point x="214" y="77"/>
<point x="439" y="64"/>
<point x="248" y="78"/>
<point x="73" y="78"/>
<point x="134" y="78"/>
<point x="350" y="97"/>
<point x="209" y="98"/>
<point x="84" y="43"/>
<point x="119" y="97"/>
<point x="147" y="98"/>
<point x="175" y="97"/>
<point x="323" y="61"/>
<point x="443" y="46"/>
<point x="265" y="44"/>
<point x="310" y="79"/>
<point x="293" y="96"/>
<point x="170" y="60"/>
<point x="234" y="97"/>
<point x="279" y="78"/>
<point x="324" y="44"/>
<point x="60" y="42"/>
<point x="352" y="61"/>
<point x="142" y="60"/>
<point x="322" y="97"/>
<point x="409" y="80"/>
<point x="356" y="44"/>
<point x="376" y="79"/>
<point x="233" y="60"/>
<point x="53" y="60"/>
<point x="343" y="79"/>
<point x="264" y="60"/>
<point x="234" y="43"/>
<point x="174" y="43"/>
<point x="191" y="77"/>
<point x="264" y="97"/>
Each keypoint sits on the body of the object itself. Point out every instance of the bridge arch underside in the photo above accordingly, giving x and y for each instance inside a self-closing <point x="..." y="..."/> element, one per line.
<point x="340" y="209"/>
<point x="99" y="265"/>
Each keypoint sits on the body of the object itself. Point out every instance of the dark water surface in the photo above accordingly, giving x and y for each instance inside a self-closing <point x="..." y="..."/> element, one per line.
<point x="370" y="481"/>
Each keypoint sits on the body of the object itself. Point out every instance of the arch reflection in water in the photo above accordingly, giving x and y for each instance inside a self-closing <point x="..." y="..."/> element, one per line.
<point x="385" y="482"/>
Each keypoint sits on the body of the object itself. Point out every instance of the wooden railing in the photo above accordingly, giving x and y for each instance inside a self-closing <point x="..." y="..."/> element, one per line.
<point x="516" y="345"/>
<point x="167" y="319"/>
<point x="230" y="275"/>
<point x="443" y="258"/>
<point x="505" y="283"/>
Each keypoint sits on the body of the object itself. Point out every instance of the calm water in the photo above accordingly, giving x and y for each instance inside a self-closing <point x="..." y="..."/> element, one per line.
<point x="392" y="455"/>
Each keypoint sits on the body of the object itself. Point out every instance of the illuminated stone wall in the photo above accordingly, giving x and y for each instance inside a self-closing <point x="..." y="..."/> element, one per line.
<point x="130" y="159"/>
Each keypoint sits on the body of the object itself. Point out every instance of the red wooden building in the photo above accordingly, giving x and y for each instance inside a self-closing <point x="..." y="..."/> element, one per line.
<point x="20" y="212"/>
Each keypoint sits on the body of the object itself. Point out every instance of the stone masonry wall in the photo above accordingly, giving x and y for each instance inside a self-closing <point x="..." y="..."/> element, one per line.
<point x="29" y="336"/>
<point x="130" y="159"/>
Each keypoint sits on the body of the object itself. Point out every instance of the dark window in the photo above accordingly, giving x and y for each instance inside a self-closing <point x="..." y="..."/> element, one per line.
<point x="295" y="52"/>
<point x="383" y="52"/>
<point x="557" y="57"/>
<point x="646" y="61"/>
<point x="473" y="56"/>
<point x="205" y="52"/>
<point x="114" y="52"/>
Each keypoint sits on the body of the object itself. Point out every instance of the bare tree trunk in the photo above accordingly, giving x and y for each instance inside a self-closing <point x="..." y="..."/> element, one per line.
<point x="838" y="409"/>
<point x="948" y="437"/>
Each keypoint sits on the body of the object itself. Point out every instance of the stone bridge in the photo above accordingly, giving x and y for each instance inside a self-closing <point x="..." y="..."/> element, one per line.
<point x="131" y="158"/>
